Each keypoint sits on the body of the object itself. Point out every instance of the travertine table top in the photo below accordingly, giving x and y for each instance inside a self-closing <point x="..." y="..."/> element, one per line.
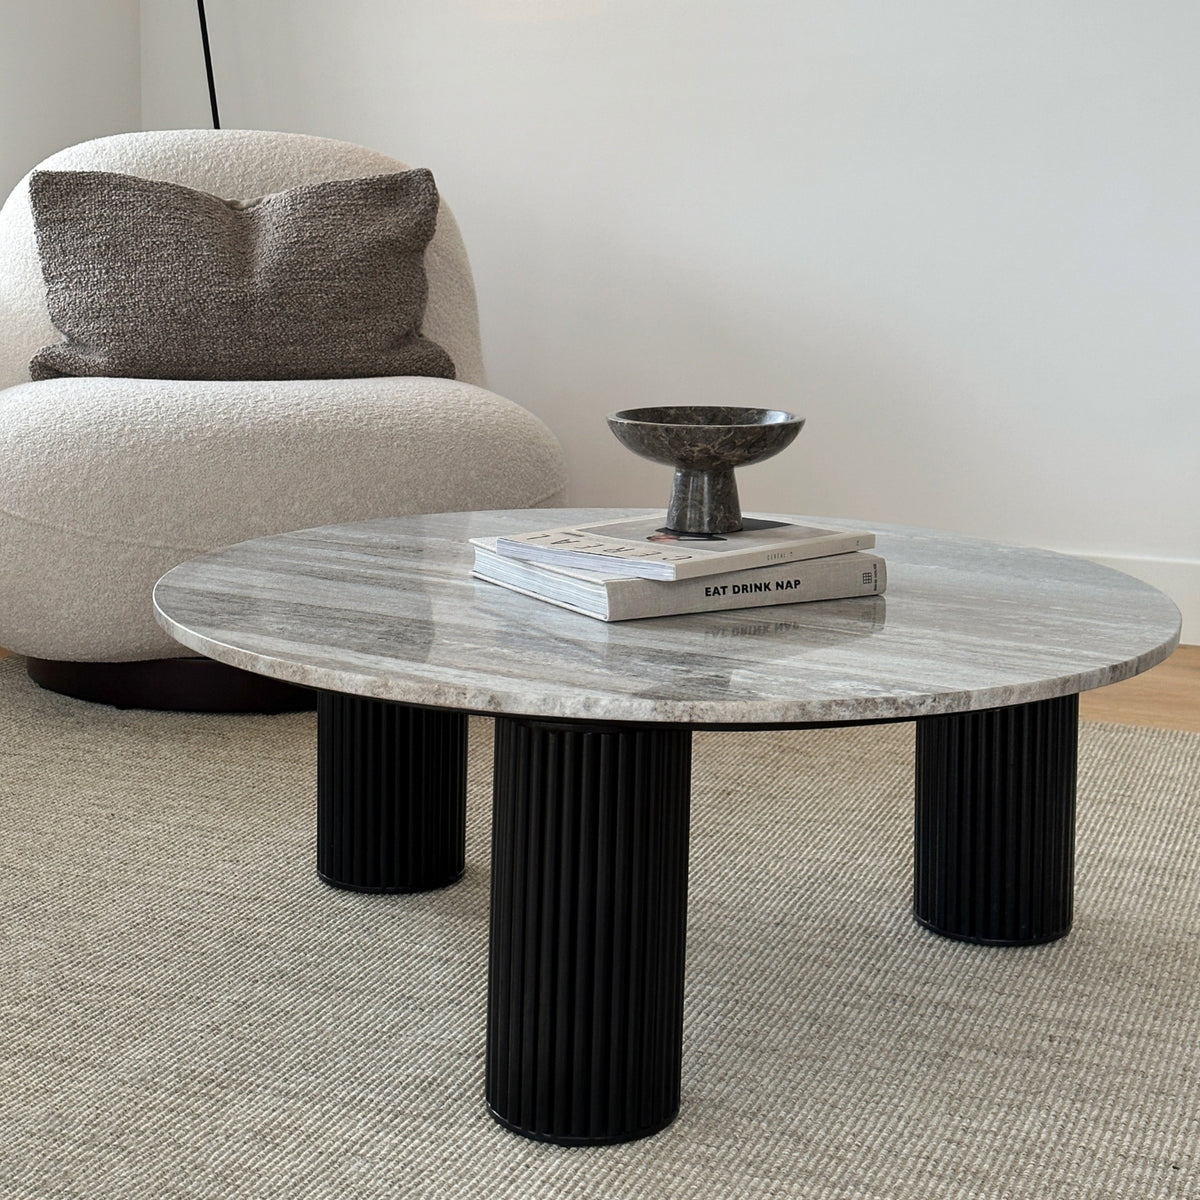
<point x="388" y="609"/>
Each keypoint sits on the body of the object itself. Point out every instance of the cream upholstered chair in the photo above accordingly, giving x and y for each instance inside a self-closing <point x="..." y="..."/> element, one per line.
<point x="106" y="483"/>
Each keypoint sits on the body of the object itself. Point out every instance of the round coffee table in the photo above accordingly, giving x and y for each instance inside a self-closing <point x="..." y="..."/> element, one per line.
<point x="986" y="647"/>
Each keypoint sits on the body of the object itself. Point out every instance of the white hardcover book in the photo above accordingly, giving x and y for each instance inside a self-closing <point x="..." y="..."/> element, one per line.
<point x="643" y="547"/>
<point x="623" y="598"/>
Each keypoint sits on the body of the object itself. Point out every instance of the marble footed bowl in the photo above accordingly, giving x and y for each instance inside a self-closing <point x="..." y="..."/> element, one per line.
<point x="704" y="444"/>
<point x="703" y="437"/>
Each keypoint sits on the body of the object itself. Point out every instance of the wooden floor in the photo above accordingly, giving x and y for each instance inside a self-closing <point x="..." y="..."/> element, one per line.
<point x="1166" y="697"/>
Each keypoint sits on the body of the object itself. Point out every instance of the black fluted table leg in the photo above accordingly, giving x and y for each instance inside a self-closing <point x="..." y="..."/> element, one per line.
<point x="391" y="794"/>
<point x="589" y="912"/>
<point x="995" y="822"/>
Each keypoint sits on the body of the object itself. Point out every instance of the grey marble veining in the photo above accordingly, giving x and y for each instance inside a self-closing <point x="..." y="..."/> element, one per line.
<point x="389" y="609"/>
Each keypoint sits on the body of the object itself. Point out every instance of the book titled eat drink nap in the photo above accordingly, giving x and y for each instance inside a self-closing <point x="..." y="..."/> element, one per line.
<point x="623" y="598"/>
<point x="642" y="546"/>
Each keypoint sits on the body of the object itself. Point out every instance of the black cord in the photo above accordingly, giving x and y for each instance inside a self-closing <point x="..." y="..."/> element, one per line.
<point x="212" y="87"/>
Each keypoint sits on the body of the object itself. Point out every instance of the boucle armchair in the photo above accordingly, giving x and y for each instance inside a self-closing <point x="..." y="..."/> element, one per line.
<point x="107" y="482"/>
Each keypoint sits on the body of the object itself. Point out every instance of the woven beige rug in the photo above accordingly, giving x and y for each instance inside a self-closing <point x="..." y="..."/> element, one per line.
<point x="185" y="1010"/>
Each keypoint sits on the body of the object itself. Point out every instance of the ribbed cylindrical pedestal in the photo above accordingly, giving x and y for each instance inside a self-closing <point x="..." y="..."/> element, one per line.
<point x="995" y="822"/>
<point x="391" y="794"/>
<point x="589" y="911"/>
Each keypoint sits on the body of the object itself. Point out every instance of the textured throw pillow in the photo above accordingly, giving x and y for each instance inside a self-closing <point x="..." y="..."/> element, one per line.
<point x="160" y="281"/>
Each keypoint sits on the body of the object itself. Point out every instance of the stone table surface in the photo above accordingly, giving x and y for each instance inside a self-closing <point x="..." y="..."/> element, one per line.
<point x="388" y="609"/>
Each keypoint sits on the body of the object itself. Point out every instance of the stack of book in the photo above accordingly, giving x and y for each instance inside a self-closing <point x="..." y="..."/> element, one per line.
<point x="622" y="569"/>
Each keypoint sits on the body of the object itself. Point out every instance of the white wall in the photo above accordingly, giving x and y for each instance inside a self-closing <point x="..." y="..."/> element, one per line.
<point x="69" y="71"/>
<point x="174" y="84"/>
<point x="963" y="239"/>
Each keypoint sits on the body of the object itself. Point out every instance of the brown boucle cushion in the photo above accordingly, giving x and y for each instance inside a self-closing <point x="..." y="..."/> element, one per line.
<point x="159" y="281"/>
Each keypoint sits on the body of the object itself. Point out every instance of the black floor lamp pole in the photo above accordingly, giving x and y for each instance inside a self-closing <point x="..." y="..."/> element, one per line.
<point x="212" y="87"/>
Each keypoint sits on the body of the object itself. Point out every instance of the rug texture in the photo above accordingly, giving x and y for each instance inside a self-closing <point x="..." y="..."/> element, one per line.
<point x="187" y="1011"/>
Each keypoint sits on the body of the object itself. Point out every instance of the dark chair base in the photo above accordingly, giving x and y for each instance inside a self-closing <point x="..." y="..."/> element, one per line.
<point x="171" y="685"/>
